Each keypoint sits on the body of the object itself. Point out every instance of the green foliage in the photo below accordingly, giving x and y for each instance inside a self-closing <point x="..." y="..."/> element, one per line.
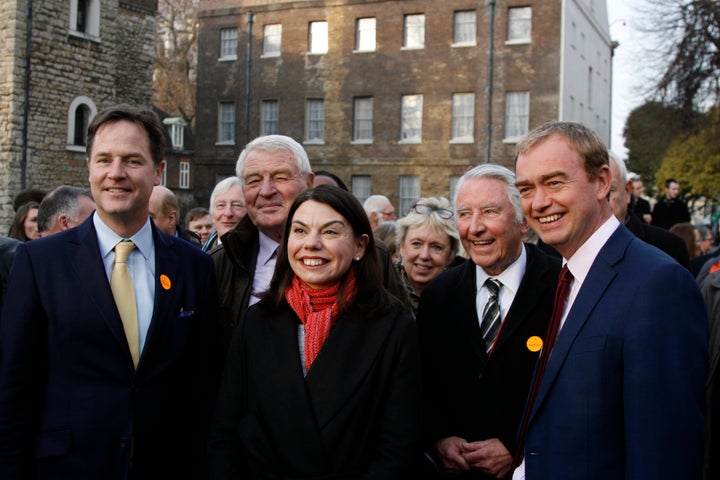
<point x="695" y="161"/>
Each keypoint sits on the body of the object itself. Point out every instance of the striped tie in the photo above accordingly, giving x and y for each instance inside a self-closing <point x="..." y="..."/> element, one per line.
<point x="491" y="314"/>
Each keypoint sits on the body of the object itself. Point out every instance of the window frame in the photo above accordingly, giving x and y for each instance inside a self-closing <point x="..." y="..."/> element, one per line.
<point x="77" y="103"/>
<point x="408" y="192"/>
<point x="517" y="124"/>
<point x="411" y="30"/>
<point x="514" y="35"/>
<point x="228" y="46"/>
<point x="458" y="131"/>
<point x="269" y="49"/>
<point x="457" y="29"/>
<point x="360" y="122"/>
<point x="361" y="186"/>
<point x="323" y="36"/>
<point x="269" y="117"/>
<point x="223" y="122"/>
<point x="315" y="121"/>
<point x="411" y="118"/>
<point x="91" y="29"/>
<point x="184" y="174"/>
<point x="362" y="35"/>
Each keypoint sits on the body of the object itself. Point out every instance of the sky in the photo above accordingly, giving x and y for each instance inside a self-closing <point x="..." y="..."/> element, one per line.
<point x="627" y="79"/>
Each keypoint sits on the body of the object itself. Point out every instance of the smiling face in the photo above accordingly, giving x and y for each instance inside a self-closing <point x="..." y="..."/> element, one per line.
<point x="425" y="253"/>
<point x="271" y="182"/>
<point x="561" y="204"/>
<point x="489" y="229"/>
<point x="321" y="245"/>
<point x="122" y="175"/>
<point x="228" y="209"/>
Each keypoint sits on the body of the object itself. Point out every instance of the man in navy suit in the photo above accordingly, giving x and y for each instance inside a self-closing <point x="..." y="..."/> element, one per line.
<point x="622" y="395"/>
<point x="475" y="384"/>
<point x="75" y="402"/>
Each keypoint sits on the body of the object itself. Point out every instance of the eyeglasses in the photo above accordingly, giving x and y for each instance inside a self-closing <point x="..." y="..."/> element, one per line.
<point x="422" y="209"/>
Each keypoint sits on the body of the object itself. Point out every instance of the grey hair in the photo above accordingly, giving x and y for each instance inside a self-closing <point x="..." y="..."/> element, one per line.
<point x="621" y="167"/>
<point x="64" y="199"/>
<point x="432" y="219"/>
<point x="272" y="143"/>
<point x="497" y="172"/>
<point x="373" y="203"/>
<point x="222" y="187"/>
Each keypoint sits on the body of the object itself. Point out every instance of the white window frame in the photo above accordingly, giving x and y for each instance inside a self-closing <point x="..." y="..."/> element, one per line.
<point x="228" y="44"/>
<point x="363" y="120"/>
<point x="92" y="19"/>
<point x="361" y="186"/>
<point x="411" y="117"/>
<point x="517" y="116"/>
<point x="519" y="25"/>
<point x="163" y="177"/>
<point x="408" y="192"/>
<point x="465" y="28"/>
<point x="226" y="123"/>
<point x="463" y="118"/>
<point x="184" y="174"/>
<point x="318" y="38"/>
<point x="81" y="101"/>
<point x="414" y="31"/>
<point x="176" y="131"/>
<point x="272" y="40"/>
<point x="365" y="34"/>
<point x="315" y="121"/>
<point x="269" y="117"/>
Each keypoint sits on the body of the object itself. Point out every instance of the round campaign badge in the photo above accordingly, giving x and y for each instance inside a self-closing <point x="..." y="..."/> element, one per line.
<point x="165" y="282"/>
<point x="534" y="343"/>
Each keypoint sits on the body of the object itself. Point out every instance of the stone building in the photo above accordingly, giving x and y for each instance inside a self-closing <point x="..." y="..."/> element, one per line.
<point x="396" y="97"/>
<point x="60" y="62"/>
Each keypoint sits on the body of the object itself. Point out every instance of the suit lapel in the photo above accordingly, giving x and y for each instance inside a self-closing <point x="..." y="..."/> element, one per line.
<point x="601" y="274"/>
<point x="465" y="296"/>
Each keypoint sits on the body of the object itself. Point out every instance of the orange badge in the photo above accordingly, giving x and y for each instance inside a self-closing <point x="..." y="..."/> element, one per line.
<point x="165" y="282"/>
<point x="534" y="343"/>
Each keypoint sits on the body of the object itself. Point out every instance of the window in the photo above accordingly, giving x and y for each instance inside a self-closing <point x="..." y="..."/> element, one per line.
<point x="454" y="179"/>
<point x="361" y="187"/>
<point x="363" y="120"/>
<point x="517" y="114"/>
<point x="315" y="121"/>
<point x="85" y="19"/>
<point x="228" y="43"/>
<point x="365" y="35"/>
<point x="463" y="117"/>
<point x="409" y="192"/>
<point x="272" y="35"/>
<point x="184" y="180"/>
<point x="318" y="37"/>
<point x="414" y="32"/>
<point x="80" y="113"/>
<point x="176" y="129"/>
<point x="519" y="24"/>
<point x="163" y="177"/>
<point x="269" y="117"/>
<point x="411" y="121"/>
<point x="226" y="123"/>
<point x="465" y="28"/>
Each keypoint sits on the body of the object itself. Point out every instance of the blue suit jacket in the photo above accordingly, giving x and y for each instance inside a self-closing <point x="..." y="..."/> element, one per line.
<point x="623" y="393"/>
<point x="71" y="403"/>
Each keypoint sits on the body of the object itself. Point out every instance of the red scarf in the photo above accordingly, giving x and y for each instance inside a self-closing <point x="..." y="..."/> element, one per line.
<point x="318" y="311"/>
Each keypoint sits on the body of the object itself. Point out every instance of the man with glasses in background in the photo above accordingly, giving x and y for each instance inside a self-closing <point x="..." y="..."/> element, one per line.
<point x="379" y="210"/>
<point x="481" y="326"/>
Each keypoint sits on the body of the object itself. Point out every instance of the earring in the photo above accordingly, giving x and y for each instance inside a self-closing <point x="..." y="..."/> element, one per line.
<point x="357" y="259"/>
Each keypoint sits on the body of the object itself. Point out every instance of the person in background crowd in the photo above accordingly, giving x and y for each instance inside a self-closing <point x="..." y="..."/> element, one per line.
<point x="323" y="177"/>
<point x="109" y="344"/>
<point x="620" y="201"/>
<point x="623" y="386"/>
<point x="199" y="221"/>
<point x="7" y="253"/>
<point x="165" y="211"/>
<point x="641" y="206"/>
<point x="324" y="380"/>
<point x="707" y="241"/>
<point x="428" y="243"/>
<point x="24" y="225"/>
<point x="28" y="195"/>
<point x="63" y="208"/>
<point x="227" y="207"/>
<point x="670" y="209"/>
<point x="475" y="323"/>
<point x="387" y="233"/>
<point x="690" y="235"/>
<point x="379" y="210"/>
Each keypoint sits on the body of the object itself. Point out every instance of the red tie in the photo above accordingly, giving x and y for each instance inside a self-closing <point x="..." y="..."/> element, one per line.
<point x="551" y="333"/>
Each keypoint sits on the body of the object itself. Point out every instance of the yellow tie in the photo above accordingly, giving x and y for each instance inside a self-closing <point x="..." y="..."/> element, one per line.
<point x="124" y="293"/>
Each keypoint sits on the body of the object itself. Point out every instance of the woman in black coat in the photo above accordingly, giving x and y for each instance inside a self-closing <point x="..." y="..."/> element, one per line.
<point x="324" y="380"/>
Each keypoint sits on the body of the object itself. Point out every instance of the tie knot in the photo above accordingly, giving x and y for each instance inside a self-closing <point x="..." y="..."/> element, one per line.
<point x="493" y="285"/>
<point x="565" y="275"/>
<point x="122" y="251"/>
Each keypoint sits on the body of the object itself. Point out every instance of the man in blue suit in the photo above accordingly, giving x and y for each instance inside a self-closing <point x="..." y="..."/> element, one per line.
<point x="622" y="395"/>
<point x="84" y="394"/>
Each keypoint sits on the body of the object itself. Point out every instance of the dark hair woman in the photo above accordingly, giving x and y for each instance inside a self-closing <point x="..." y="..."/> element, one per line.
<point x="324" y="380"/>
<point x="24" y="225"/>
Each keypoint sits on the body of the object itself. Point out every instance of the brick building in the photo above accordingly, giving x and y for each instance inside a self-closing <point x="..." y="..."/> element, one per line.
<point x="396" y="97"/>
<point x="61" y="61"/>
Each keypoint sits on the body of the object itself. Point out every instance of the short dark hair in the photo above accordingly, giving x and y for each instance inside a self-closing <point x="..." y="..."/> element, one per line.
<point x="64" y="199"/>
<point x="145" y="118"/>
<point x="370" y="295"/>
<point x="27" y="195"/>
<point x="581" y="139"/>
<point x="195" y="213"/>
<point x="670" y="181"/>
<point x="333" y="177"/>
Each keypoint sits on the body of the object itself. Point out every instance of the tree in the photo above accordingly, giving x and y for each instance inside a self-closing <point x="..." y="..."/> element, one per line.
<point x="695" y="161"/>
<point x="175" y="72"/>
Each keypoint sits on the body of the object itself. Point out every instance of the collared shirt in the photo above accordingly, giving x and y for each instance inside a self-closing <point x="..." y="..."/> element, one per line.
<point x="141" y="264"/>
<point x="510" y="279"/>
<point x="264" y="267"/>
<point x="579" y="265"/>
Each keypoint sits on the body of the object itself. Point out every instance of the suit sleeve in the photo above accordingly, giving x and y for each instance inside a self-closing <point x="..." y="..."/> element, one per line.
<point x="21" y="357"/>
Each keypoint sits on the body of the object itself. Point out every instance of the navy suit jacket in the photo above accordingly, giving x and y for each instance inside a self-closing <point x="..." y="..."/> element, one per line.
<point x="71" y="403"/>
<point x="623" y="392"/>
